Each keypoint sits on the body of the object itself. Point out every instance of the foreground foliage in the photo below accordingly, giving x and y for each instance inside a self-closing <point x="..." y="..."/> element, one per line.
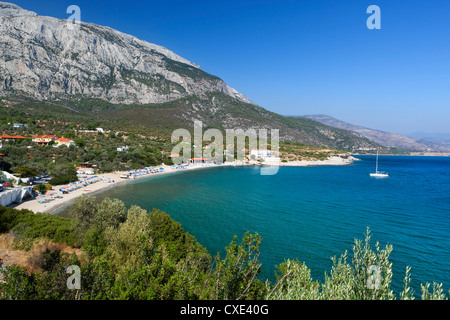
<point x="367" y="277"/>
<point x="133" y="254"/>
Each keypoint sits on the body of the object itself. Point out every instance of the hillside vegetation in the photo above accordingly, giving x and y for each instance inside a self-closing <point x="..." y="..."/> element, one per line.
<point x="133" y="254"/>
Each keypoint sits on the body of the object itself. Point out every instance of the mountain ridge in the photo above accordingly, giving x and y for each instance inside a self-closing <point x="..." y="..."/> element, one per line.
<point x="384" y="138"/>
<point x="99" y="71"/>
<point x="45" y="60"/>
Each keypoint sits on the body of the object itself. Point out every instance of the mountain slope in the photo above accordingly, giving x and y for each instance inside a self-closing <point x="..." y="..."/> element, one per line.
<point x="384" y="138"/>
<point x="441" y="138"/>
<point x="43" y="59"/>
<point x="218" y="110"/>
<point x="107" y="74"/>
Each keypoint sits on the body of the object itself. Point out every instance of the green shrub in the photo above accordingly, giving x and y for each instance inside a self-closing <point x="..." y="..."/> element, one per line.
<point x="28" y="225"/>
<point x="61" y="180"/>
<point x="9" y="218"/>
<point x="41" y="188"/>
<point x="57" y="229"/>
<point x="367" y="277"/>
<point x="26" y="172"/>
<point x="149" y="256"/>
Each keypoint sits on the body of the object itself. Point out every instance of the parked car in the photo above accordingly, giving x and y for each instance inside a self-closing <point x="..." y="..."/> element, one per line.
<point x="6" y="185"/>
<point x="1" y="187"/>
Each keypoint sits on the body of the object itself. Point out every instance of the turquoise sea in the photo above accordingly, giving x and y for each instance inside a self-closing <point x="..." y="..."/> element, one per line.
<point x="314" y="213"/>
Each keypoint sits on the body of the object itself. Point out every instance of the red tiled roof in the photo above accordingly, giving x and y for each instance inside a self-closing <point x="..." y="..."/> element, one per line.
<point x="7" y="136"/>
<point x="64" y="140"/>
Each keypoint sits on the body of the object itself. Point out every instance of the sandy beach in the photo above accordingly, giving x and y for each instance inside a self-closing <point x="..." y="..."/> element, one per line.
<point x="110" y="180"/>
<point x="106" y="181"/>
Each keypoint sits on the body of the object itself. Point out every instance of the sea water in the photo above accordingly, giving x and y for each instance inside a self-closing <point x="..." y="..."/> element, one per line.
<point x="314" y="213"/>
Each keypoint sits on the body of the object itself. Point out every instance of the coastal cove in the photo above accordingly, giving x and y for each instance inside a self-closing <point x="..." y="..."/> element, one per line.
<point x="313" y="213"/>
<point x="102" y="182"/>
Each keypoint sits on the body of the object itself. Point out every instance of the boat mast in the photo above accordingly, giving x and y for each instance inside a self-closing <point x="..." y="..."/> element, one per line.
<point x="376" y="169"/>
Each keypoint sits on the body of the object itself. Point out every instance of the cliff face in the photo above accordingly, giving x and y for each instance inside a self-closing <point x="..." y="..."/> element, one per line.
<point x="41" y="58"/>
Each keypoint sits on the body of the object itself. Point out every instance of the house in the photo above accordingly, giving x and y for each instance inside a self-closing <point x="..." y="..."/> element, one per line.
<point x="89" y="165"/>
<point x="64" y="141"/>
<point x="7" y="137"/>
<point x="122" y="149"/>
<point x="264" y="155"/>
<point x="19" y="125"/>
<point x="83" y="172"/>
<point x="261" y="153"/>
<point x="44" y="139"/>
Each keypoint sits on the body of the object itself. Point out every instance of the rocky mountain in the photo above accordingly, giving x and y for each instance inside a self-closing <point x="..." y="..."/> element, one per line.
<point x="107" y="74"/>
<point x="42" y="58"/>
<point x="386" y="139"/>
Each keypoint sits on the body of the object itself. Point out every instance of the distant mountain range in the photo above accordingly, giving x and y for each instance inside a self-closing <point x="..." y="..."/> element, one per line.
<point x="384" y="138"/>
<point x="443" y="138"/>
<point x="102" y="72"/>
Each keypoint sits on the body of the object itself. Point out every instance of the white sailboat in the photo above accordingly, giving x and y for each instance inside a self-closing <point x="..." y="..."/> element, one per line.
<point x="379" y="174"/>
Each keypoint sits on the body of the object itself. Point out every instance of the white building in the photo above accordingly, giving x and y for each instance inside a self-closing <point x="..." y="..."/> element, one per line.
<point x="122" y="149"/>
<point x="44" y="139"/>
<point x="264" y="155"/>
<point x="65" y="142"/>
<point x="261" y="153"/>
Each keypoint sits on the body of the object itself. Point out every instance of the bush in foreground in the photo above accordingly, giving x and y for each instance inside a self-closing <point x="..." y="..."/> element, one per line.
<point x="132" y="254"/>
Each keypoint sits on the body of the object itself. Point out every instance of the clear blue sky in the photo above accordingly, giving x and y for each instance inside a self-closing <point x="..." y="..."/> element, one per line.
<point x="304" y="56"/>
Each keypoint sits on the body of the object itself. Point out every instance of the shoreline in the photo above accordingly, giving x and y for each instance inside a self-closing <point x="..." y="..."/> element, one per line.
<point x="66" y="199"/>
<point x="438" y="155"/>
<point x="331" y="161"/>
<point x="56" y="204"/>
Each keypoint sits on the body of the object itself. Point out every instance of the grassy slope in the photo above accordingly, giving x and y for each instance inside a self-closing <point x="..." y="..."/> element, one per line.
<point x="217" y="110"/>
<point x="214" y="109"/>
